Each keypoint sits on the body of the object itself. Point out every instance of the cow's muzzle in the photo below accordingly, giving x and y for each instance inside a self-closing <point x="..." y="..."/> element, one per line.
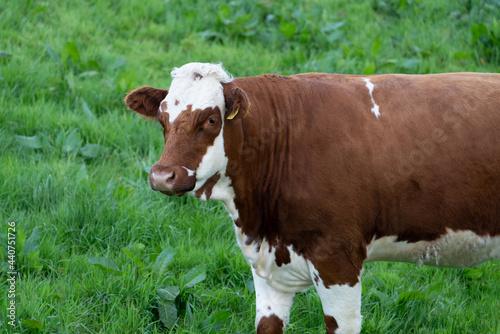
<point x="171" y="180"/>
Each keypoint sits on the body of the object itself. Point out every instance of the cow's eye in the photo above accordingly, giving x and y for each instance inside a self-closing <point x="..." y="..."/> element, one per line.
<point x="211" y="121"/>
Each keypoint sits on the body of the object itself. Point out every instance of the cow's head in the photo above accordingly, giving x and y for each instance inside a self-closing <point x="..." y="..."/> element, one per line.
<point x="192" y="112"/>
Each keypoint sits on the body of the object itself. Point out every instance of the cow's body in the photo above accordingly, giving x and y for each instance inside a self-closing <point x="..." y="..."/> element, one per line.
<point x="327" y="172"/>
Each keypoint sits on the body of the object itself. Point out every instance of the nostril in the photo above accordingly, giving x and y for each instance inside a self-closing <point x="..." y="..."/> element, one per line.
<point x="162" y="179"/>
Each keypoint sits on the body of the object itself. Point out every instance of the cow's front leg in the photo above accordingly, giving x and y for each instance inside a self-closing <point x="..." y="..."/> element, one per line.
<point x="341" y="299"/>
<point x="273" y="307"/>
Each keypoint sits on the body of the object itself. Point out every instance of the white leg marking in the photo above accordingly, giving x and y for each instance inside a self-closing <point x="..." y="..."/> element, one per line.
<point x="342" y="302"/>
<point x="370" y="87"/>
<point x="270" y="301"/>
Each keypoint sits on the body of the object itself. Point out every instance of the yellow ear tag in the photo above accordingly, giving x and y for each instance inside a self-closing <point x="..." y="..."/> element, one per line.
<point x="233" y="115"/>
<point x="246" y="113"/>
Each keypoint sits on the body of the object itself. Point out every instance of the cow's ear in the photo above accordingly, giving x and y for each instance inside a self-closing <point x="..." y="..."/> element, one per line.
<point x="237" y="103"/>
<point x="145" y="100"/>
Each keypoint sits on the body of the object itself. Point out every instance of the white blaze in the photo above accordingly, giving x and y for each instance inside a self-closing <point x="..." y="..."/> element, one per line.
<point x="371" y="86"/>
<point x="198" y="85"/>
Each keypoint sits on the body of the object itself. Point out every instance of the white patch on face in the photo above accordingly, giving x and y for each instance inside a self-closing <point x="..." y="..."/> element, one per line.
<point x="270" y="301"/>
<point x="190" y="172"/>
<point x="456" y="249"/>
<point x="198" y="85"/>
<point x="371" y="86"/>
<point x="342" y="302"/>
<point x="214" y="161"/>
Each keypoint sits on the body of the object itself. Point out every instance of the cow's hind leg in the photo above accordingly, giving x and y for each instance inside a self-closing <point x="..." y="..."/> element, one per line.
<point x="273" y="307"/>
<point x="341" y="302"/>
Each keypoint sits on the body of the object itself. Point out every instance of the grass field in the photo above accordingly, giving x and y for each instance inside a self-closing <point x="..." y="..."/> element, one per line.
<point x="99" y="252"/>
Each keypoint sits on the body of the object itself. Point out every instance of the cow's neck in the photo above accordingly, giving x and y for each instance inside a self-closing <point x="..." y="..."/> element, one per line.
<point x="259" y="155"/>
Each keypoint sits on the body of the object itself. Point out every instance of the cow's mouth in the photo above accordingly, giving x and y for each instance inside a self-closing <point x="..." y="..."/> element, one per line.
<point x="176" y="193"/>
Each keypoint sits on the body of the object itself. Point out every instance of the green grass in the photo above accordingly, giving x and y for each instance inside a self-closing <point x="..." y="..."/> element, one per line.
<point x="72" y="159"/>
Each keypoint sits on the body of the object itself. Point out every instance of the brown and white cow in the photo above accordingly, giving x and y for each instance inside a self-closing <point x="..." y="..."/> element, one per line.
<point x="323" y="172"/>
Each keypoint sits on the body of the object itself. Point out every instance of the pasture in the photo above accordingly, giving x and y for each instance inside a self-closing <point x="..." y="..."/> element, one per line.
<point x="97" y="251"/>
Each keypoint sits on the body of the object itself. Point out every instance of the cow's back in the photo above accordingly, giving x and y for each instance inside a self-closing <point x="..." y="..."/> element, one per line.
<point x="427" y="164"/>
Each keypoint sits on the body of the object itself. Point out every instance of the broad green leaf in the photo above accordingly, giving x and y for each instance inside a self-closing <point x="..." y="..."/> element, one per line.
<point x="168" y="313"/>
<point x="370" y="68"/>
<point x="81" y="174"/>
<point x="224" y="14"/>
<point x="5" y="57"/>
<point x="435" y="286"/>
<point x="127" y="80"/>
<point x="194" y="276"/>
<point x="86" y="110"/>
<point x="119" y="62"/>
<point x="72" y="142"/>
<point x="137" y="247"/>
<point x="478" y="31"/>
<point x="33" y="242"/>
<point x="31" y="142"/>
<point x="4" y="267"/>
<point x="381" y="296"/>
<point x="412" y="296"/>
<point x="73" y="52"/>
<point x="92" y="150"/>
<point x="105" y="264"/>
<point x="332" y="26"/>
<point x="288" y="29"/>
<point x="5" y="54"/>
<point x="376" y="46"/>
<point x="70" y="80"/>
<point x="169" y="292"/>
<point x="462" y="55"/>
<point x="21" y="239"/>
<point x="87" y="74"/>
<point x="124" y="191"/>
<point x="215" y="321"/>
<point x="408" y="63"/>
<point x="30" y="323"/>
<point x="472" y="273"/>
<point x="53" y="54"/>
<point x="163" y="260"/>
<point x="134" y="258"/>
<point x="34" y="261"/>
<point x="250" y="285"/>
<point x="94" y="64"/>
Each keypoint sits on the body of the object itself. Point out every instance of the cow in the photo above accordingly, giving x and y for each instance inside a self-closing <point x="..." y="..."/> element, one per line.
<point x="322" y="173"/>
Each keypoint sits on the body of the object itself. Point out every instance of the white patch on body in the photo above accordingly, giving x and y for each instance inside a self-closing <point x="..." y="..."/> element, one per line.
<point x="456" y="249"/>
<point x="342" y="302"/>
<point x="370" y="87"/>
<point x="270" y="301"/>
<point x="198" y="85"/>
<point x="292" y="277"/>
